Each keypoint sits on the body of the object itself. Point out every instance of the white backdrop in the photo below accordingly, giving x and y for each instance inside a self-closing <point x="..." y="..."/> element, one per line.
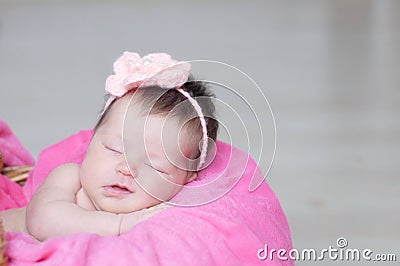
<point x="328" y="68"/>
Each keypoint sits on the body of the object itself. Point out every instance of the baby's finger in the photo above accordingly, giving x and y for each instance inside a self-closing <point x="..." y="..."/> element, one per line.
<point x="146" y="213"/>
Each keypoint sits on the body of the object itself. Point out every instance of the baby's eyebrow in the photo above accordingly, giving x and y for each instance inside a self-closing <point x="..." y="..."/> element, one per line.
<point x="112" y="137"/>
<point x="154" y="154"/>
<point x="160" y="161"/>
<point x="113" y="141"/>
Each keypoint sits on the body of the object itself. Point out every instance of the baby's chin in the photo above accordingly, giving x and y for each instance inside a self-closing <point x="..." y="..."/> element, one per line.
<point x="125" y="207"/>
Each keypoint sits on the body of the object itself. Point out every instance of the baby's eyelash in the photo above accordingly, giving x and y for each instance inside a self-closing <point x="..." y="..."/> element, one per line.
<point x="157" y="169"/>
<point x="112" y="149"/>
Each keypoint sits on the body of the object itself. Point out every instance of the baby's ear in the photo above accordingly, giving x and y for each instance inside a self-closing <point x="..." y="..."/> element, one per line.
<point x="191" y="176"/>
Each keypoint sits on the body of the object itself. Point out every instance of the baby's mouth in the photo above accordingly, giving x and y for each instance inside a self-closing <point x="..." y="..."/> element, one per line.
<point x="116" y="190"/>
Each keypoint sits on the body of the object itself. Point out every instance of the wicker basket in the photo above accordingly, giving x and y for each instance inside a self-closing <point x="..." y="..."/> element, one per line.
<point x="3" y="258"/>
<point x="18" y="174"/>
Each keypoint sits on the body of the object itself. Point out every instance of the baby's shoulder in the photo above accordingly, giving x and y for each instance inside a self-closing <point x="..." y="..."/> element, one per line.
<point x="65" y="169"/>
<point x="68" y="168"/>
<point x="64" y="174"/>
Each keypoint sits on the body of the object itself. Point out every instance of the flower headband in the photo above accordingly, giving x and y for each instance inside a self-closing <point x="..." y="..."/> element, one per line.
<point x="159" y="69"/>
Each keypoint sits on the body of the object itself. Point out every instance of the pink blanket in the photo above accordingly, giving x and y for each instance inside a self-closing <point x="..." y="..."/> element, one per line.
<point x="227" y="231"/>
<point x="13" y="154"/>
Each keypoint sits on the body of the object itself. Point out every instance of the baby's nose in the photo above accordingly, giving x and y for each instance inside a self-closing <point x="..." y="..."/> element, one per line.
<point x="123" y="168"/>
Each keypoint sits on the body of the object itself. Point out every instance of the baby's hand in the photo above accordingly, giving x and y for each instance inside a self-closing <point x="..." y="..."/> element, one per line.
<point x="129" y="220"/>
<point x="148" y="212"/>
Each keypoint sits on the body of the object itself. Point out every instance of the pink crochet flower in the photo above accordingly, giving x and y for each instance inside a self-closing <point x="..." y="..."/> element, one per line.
<point x="159" y="69"/>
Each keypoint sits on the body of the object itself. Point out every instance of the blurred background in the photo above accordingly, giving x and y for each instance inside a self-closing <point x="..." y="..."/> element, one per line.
<point x="330" y="70"/>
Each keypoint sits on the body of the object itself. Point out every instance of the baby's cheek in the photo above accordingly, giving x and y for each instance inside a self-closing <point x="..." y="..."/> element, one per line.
<point x="83" y="200"/>
<point x="162" y="187"/>
<point x="176" y="183"/>
<point x="181" y="177"/>
<point x="84" y="180"/>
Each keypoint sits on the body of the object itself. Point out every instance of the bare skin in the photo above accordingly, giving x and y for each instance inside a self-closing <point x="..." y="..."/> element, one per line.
<point x="101" y="195"/>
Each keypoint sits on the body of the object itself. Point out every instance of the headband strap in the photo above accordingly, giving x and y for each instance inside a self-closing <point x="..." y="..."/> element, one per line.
<point x="159" y="69"/>
<point x="203" y="125"/>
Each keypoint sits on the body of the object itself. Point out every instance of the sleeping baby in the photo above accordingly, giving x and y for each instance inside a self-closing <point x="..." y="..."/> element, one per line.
<point x="151" y="139"/>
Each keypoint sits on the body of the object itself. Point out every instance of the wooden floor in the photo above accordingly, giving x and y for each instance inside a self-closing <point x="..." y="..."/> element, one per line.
<point x="330" y="70"/>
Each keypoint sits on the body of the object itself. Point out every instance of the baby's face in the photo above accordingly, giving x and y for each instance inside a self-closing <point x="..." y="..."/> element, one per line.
<point x="108" y="181"/>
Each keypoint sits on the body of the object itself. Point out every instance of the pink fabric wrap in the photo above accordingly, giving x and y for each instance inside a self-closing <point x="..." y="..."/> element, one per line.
<point x="228" y="231"/>
<point x="13" y="154"/>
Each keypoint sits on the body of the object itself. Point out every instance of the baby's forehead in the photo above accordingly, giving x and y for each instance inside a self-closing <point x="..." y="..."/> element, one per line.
<point x="130" y="118"/>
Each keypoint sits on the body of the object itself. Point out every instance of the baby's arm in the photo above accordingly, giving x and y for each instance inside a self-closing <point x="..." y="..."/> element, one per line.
<point x="129" y="220"/>
<point x="53" y="211"/>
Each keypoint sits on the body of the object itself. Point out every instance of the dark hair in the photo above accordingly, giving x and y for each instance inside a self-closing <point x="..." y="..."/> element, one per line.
<point x="169" y="99"/>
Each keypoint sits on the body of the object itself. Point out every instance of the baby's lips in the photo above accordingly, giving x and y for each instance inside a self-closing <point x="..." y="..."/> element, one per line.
<point x="121" y="187"/>
<point x="129" y="188"/>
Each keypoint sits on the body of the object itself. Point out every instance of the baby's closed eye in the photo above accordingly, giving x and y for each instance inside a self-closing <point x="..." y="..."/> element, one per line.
<point x="157" y="168"/>
<point x="113" y="148"/>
